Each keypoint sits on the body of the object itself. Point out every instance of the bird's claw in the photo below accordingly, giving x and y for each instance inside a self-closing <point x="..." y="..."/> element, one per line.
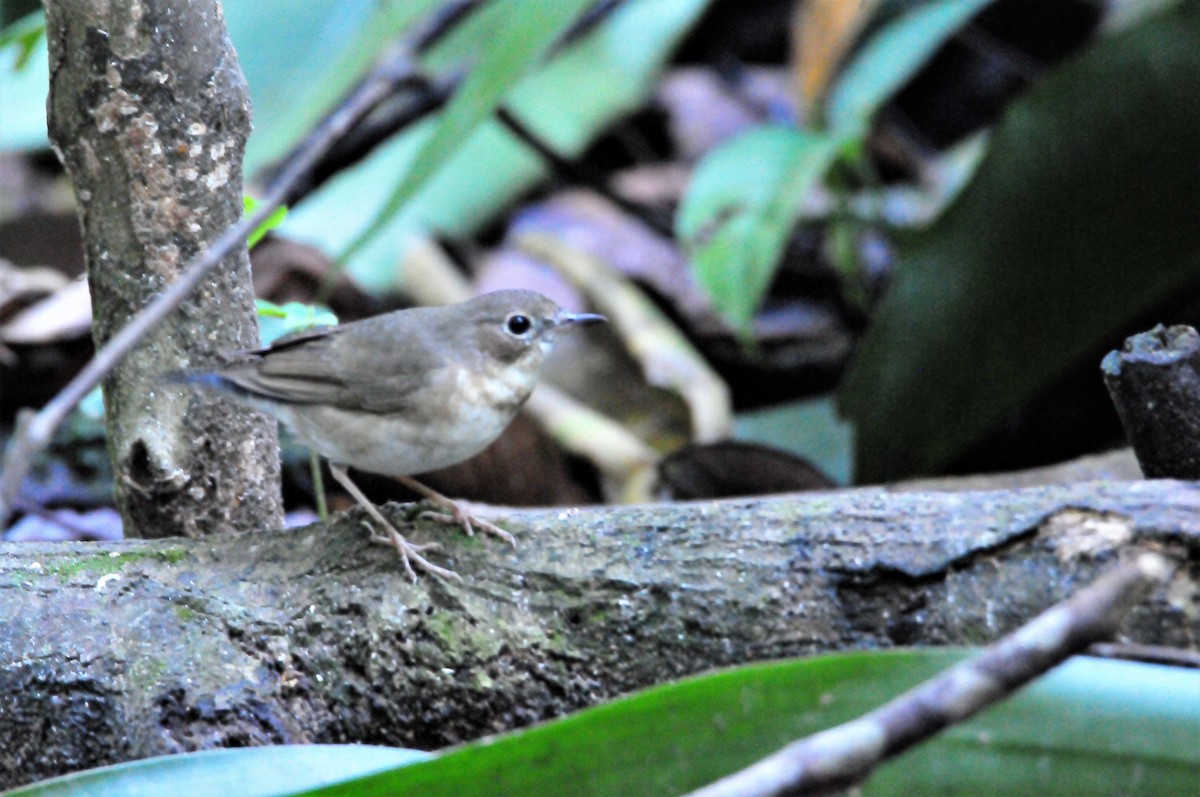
<point x="460" y="517"/>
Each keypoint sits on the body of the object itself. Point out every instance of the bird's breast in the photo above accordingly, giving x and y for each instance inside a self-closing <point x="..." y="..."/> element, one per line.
<point x="501" y="389"/>
<point x="464" y="414"/>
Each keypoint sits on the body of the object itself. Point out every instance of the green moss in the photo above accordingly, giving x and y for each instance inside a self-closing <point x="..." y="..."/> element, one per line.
<point x="185" y="613"/>
<point x="173" y="556"/>
<point x="22" y="578"/>
<point x="146" y="672"/>
<point x="444" y="627"/>
<point x="112" y="562"/>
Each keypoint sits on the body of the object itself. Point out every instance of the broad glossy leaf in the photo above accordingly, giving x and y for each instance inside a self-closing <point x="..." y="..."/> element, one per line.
<point x="1091" y="727"/>
<point x="740" y="209"/>
<point x="1081" y="216"/>
<point x="243" y="772"/>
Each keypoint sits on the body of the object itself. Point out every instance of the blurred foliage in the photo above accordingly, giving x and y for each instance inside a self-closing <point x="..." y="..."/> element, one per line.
<point x="272" y="221"/>
<point x="24" y="35"/>
<point x="742" y="203"/>
<point x="519" y="35"/>
<point x="1090" y="727"/>
<point x="566" y="99"/>
<point x="24" y="75"/>
<point x="740" y="209"/>
<point x="275" y="321"/>
<point x="1080" y="217"/>
<point x="809" y="429"/>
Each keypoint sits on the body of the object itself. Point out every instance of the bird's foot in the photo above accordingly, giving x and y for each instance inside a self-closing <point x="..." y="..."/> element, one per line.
<point x="410" y="553"/>
<point x="456" y="514"/>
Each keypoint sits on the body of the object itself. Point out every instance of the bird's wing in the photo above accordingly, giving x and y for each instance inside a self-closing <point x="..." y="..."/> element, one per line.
<point x="354" y="366"/>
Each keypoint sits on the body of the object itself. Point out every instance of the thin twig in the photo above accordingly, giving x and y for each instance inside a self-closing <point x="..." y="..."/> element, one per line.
<point x="579" y="173"/>
<point x="843" y="756"/>
<point x="428" y="94"/>
<point x="586" y="23"/>
<point x="443" y="20"/>
<point x="1148" y="654"/>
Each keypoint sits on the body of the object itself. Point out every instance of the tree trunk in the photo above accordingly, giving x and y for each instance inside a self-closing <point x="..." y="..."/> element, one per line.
<point x="110" y="652"/>
<point x="149" y="113"/>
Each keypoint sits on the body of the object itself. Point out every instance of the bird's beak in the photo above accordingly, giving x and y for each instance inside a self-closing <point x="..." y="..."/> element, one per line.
<point x="564" y="318"/>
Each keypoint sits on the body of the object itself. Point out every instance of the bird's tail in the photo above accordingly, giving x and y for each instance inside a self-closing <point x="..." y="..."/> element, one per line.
<point x="209" y="380"/>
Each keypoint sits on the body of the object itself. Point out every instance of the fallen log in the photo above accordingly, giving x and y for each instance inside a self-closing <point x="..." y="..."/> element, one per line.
<point x="116" y="651"/>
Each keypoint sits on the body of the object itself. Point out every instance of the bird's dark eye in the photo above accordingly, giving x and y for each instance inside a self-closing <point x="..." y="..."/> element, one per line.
<point x="518" y="324"/>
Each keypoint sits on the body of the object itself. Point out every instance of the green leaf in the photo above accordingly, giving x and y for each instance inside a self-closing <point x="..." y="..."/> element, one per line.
<point x="1091" y="727"/>
<point x="810" y="429"/>
<point x="740" y="208"/>
<point x="24" y="34"/>
<point x="245" y="772"/>
<point x="890" y="59"/>
<point x="520" y="32"/>
<point x="1081" y="217"/>
<point x="275" y="321"/>
<point x="274" y="220"/>
<point x="339" y="40"/>
<point x="24" y="78"/>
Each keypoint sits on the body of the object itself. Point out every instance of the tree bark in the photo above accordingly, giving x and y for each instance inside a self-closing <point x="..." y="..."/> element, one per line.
<point x="110" y="652"/>
<point x="1154" y="382"/>
<point x="149" y="112"/>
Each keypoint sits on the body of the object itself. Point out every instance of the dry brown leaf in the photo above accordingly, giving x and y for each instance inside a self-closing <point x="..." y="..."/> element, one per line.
<point x="822" y="33"/>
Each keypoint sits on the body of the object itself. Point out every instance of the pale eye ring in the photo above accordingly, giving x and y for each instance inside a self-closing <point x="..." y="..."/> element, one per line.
<point x="518" y="324"/>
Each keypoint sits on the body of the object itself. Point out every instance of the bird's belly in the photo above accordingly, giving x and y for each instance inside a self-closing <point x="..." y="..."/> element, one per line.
<point x="395" y="444"/>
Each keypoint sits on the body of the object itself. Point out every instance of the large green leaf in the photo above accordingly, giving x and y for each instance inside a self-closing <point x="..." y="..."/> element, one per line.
<point x="890" y="59"/>
<point x="566" y="102"/>
<point x="1092" y="727"/>
<point x="519" y="34"/>
<point x="1082" y="215"/>
<point x="245" y="772"/>
<point x="740" y="209"/>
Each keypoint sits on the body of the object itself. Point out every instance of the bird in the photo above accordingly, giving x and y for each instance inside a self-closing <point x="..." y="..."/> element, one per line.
<point x="402" y="393"/>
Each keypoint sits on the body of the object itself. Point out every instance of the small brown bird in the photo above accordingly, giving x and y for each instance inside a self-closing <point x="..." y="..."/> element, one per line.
<point x="404" y="392"/>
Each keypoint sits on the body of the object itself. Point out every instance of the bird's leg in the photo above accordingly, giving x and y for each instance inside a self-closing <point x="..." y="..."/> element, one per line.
<point x="458" y="515"/>
<point x="409" y="552"/>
